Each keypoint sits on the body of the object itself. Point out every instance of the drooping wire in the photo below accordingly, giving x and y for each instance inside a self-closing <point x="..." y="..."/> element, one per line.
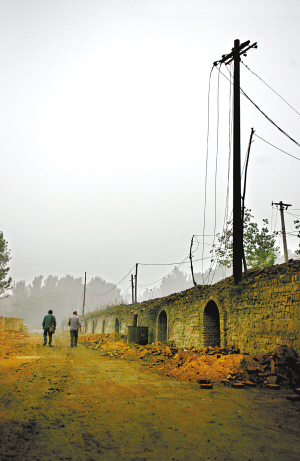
<point x="276" y="147"/>
<point x="263" y="113"/>
<point x="206" y="167"/>
<point x="230" y="121"/>
<point x="122" y="294"/>
<point x="102" y="294"/>
<point x="247" y="67"/>
<point x="269" y="119"/>
<point x="216" y="164"/>
<point x="175" y="268"/>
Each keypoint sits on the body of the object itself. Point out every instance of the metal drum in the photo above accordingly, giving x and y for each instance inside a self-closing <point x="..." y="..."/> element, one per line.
<point x="138" y="335"/>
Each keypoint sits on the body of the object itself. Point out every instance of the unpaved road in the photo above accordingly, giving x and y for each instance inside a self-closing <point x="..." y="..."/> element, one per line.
<point x="73" y="404"/>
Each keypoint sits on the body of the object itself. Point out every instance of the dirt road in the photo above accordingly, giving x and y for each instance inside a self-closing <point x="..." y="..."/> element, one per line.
<point x="73" y="404"/>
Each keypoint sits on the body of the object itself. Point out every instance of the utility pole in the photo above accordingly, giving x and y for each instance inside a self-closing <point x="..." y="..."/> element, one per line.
<point x="84" y="290"/>
<point x="192" y="270"/>
<point x="132" y="289"/>
<point x="237" y="51"/>
<point x="244" y="194"/>
<point x="283" y="206"/>
<point x="135" y="280"/>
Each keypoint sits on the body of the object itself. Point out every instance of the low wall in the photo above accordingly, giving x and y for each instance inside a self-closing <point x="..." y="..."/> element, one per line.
<point x="12" y="324"/>
<point x="256" y="316"/>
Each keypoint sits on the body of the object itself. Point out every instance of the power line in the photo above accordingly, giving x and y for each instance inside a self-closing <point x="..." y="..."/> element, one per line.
<point x="276" y="147"/>
<point x="177" y="265"/>
<point x="269" y="119"/>
<point x="206" y="163"/>
<point x="270" y="87"/>
<point x="263" y="113"/>
<point x="122" y="294"/>
<point x="102" y="294"/>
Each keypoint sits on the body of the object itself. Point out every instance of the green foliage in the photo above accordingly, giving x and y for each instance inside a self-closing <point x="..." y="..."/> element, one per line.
<point x="297" y="226"/>
<point x="5" y="282"/>
<point x="259" y="246"/>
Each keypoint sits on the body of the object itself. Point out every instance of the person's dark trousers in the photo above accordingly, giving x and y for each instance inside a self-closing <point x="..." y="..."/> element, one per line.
<point x="74" y="337"/>
<point x="46" y="330"/>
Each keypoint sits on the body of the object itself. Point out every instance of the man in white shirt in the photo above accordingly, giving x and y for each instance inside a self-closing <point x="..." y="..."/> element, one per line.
<point x="74" y="324"/>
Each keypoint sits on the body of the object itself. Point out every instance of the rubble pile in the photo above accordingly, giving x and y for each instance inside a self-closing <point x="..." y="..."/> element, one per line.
<point x="167" y="359"/>
<point x="279" y="367"/>
<point x="112" y="344"/>
<point x="216" y="364"/>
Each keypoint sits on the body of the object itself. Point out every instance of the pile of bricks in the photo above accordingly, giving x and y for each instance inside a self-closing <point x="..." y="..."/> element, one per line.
<point x="280" y="367"/>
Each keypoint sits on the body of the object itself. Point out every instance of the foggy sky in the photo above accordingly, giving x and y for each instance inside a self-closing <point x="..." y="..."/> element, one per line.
<point x="104" y="129"/>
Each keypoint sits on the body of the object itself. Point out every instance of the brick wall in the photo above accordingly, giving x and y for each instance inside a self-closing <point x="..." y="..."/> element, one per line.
<point x="12" y="324"/>
<point x="256" y="316"/>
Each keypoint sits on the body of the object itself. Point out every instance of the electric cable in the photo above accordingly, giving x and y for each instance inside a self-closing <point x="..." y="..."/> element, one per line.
<point x="270" y="87"/>
<point x="206" y="163"/>
<point x="214" y="261"/>
<point x="115" y="285"/>
<point x="263" y="113"/>
<point x="269" y="119"/>
<point x="267" y="142"/>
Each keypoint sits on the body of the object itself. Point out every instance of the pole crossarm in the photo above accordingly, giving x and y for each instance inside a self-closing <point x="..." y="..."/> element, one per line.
<point x="243" y="48"/>
<point x="286" y="205"/>
<point x="282" y="207"/>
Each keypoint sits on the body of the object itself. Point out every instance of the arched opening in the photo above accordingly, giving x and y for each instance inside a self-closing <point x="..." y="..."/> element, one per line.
<point x="162" y="326"/>
<point x="103" y="326"/>
<point x="94" y="326"/>
<point x="135" y="318"/>
<point x="211" y="325"/>
<point x="117" y="326"/>
<point x="85" y="327"/>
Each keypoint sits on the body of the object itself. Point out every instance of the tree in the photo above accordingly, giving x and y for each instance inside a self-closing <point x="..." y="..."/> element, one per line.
<point x="259" y="245"/>
<point x="297" y="226"/>
<point x="5" y="282"/>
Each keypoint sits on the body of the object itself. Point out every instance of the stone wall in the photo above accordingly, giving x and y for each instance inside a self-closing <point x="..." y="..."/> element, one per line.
<point x="256" y="316"/>
<point x="12" y="324"/>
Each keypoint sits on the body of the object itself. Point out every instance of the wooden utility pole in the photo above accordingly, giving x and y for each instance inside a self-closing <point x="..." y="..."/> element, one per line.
<point x="135" y="281"/>
<point x="132" y="289"/>
<point x="192" y="270"/>
<point x="84" y="290"/>
<point x="237" y="51"/>
<point x="283" y="206"/>
<point x="243" y="197"/>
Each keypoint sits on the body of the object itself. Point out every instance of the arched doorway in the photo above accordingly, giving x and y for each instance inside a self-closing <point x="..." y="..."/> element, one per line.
<point x="211" y="325"/>
<point x="94" y="326"/>
<point x="103" y="326"/>
<point x="162" y="326"/>
<point x="117" y="326"/>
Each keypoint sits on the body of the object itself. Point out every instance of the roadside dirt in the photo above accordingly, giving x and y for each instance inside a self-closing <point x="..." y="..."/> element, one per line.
<point x="75" y="404"/>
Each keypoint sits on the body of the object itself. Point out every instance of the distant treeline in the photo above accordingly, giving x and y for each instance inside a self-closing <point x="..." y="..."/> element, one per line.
<point x="63" y="296"/>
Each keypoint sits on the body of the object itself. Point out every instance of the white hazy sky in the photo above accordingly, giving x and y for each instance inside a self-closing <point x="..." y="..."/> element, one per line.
<point x="104" y="115"/>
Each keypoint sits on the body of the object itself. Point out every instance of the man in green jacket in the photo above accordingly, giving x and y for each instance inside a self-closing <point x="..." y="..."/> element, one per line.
<point x="49" y="320"/>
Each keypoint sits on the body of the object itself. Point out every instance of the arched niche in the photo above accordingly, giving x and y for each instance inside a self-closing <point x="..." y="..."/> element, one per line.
<point x="211" y="325"/>
<point x="162" y="326"/>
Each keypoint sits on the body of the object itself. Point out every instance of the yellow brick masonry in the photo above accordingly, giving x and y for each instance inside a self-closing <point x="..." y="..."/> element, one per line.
<point x="258" y="315"/>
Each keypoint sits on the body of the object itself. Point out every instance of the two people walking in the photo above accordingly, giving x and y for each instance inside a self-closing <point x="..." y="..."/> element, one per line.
<point x="49" y="325"/>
